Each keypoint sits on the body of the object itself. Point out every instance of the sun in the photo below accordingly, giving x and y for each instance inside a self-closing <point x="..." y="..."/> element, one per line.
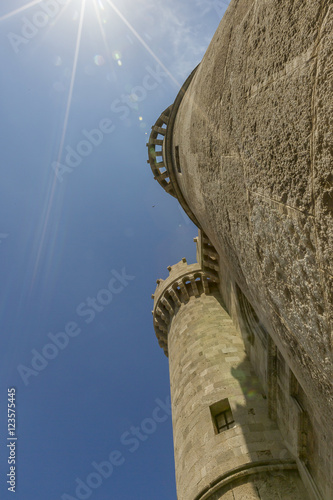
<point x="47" y="16"/>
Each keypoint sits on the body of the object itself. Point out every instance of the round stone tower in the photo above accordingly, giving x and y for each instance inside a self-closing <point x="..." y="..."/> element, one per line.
<point x="225" y="445"/>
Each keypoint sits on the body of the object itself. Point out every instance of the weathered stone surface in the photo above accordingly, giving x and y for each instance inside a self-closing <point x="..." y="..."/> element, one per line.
<point x="254" y="131"/>
<point x="207" y="364"/>
<point x="323" y="144"/>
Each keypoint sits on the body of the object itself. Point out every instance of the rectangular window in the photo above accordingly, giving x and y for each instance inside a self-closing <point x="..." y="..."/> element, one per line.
<point x="177" y="160"/>
<point x="224" y="420"/>
<point x="222" y="416"/>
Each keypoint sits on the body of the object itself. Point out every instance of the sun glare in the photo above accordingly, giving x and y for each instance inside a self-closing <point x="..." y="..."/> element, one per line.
<point x="69" y="99"/>
<point x="50" y="18"/>
<point x="19" y="10"/>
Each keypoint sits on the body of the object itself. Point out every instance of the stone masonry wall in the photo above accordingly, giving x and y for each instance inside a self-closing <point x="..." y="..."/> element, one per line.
<point x="254" y="138"/>
<point x="208" y="363"/>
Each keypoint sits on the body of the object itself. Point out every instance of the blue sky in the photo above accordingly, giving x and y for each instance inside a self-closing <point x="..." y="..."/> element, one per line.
<point x="85" y="232"/>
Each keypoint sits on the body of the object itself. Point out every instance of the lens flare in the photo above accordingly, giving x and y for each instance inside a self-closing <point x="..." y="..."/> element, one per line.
<point x="99" y="60"/>
<point x="116" y="55"/>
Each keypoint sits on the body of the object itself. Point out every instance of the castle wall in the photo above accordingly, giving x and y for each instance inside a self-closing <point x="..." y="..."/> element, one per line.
<point x="254" y="140"/>
<point x="289" y="405"/>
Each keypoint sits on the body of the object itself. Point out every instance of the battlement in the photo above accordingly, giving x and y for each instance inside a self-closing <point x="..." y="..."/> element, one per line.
<point x="184" y="282"/>
<point x="156" y="153"/>
<point x="163" y="157"/>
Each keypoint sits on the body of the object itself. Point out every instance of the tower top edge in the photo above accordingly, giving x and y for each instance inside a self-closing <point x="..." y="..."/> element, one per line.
<point x="160" y="150"/>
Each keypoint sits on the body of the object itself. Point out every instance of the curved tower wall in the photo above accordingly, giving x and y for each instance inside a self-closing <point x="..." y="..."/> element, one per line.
<point x="208" y="364"/>
<point x="248" y="153"/>
<point x="253" y="135"/>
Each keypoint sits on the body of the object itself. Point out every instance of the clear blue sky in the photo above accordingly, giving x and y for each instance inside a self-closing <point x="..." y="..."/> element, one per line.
<point x="85" y="231"/>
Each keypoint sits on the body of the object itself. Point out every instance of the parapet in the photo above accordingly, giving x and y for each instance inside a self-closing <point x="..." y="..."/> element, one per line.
<point x="160" y="151"/>
<point x="184" y="282"/>
<point x="156" y="151"/>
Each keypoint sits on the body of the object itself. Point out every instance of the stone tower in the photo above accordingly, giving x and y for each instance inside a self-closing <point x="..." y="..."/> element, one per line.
<point x="247" y="150"/>
<point x="225" y="444"/>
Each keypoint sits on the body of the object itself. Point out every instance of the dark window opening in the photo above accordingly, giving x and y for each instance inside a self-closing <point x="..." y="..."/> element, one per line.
<point x="224" y="420"/>
<point x="222" y="416"/>
<point x="177" y="160"/>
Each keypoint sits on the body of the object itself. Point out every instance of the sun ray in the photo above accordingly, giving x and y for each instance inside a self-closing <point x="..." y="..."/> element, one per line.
<point x="141" y="40"/>
<point x="61" y="13"/>
<point x="21" y="9"/>
<point x="76" y="55"/>
<point x="69" y="99"/>
<point x="103" y="33"/>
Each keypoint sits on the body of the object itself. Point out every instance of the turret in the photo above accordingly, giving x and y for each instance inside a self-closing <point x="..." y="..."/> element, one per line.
<point x="224" y="441"/>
